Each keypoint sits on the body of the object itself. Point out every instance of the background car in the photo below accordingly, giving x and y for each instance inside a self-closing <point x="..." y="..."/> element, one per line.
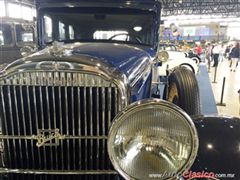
<point x="171" y="60"/>
<point x="175" y="53"/>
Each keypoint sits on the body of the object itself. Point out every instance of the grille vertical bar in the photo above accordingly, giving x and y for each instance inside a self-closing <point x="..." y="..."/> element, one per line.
<point x="81" y="106"/>
<point x="85" y="125"/>
<point x="98" y="123"/>
<point x="54" y="123"/>
<point x="30" y="124"/>
<point x="4" y="124"/>
<point x="79" y="127"/>
<point x="15" y="102"/>
<point x="42" y="124"/>
<point x="11" y="121"/>
<point x="103" y="125"/>
<point x="24" y="125"/>
<point x="61" y="125"/>
<point x="36" y="122"/>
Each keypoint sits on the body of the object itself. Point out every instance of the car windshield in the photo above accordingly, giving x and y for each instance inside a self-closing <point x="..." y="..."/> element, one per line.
<point x="98" y="24"/>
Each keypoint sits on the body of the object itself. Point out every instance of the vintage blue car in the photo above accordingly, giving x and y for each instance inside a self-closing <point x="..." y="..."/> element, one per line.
<point x="82" y="108"/>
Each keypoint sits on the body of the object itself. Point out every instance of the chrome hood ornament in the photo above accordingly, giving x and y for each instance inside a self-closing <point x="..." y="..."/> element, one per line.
<point x="48" y="137"/>
<point x="59" y="50"/>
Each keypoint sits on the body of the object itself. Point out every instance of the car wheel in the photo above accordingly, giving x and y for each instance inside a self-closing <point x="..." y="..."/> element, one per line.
<point x="182" y="90"/>
<point x="189" y="67"/>
<point x="196" y="60"/>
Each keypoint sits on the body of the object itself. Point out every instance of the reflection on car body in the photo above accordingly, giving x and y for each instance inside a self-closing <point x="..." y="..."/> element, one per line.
<point x="14" y="35"/>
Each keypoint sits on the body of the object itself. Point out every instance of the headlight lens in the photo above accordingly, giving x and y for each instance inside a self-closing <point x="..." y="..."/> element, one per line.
<point x="163" y="56"/>
<point x="152" y="137"/>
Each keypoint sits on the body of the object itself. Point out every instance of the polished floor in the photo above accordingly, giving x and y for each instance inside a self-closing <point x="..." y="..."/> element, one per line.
<point x="231" y="97"/>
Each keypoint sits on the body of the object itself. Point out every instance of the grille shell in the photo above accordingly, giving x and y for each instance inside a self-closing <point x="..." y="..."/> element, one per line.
<point x="81" y="105"/>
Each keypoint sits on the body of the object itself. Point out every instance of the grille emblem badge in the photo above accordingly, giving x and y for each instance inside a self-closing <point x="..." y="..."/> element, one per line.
<point x="48" y="137"/>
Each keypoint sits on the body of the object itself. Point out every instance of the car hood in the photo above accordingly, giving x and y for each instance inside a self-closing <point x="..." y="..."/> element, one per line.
<point x="124" y="57"/>
<point x="132" y="61"/>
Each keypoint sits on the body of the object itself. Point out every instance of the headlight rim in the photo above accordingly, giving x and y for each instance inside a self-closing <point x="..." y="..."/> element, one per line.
<point x="147" y="102"/>
<point x="160" y="56"/>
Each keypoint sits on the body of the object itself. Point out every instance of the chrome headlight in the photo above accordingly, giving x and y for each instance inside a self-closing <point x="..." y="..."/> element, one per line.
<point x="152" y="137"/>
<point x="163" y="56"/>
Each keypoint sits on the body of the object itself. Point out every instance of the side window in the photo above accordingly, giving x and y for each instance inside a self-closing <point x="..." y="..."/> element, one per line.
<point x="62" y="33"/>
<point x="5" y="34"/>
<point x="48" y="29"/>
<point x="24" y="35"/>
<point x="71" y="32"/>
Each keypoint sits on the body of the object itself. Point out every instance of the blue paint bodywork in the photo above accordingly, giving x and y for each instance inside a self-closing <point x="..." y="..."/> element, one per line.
<point x="130" y="60"/>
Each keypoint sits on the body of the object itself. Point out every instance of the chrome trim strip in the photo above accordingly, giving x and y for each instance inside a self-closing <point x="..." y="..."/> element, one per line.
<point x="34" y="137"/>
<point x="56" y="172"/>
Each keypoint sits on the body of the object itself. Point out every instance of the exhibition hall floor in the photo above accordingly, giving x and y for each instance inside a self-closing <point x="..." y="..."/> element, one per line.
<point x="211" y="90"/>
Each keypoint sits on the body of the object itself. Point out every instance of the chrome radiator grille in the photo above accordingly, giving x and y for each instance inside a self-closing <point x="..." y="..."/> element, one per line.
<point x="79" y="106"/>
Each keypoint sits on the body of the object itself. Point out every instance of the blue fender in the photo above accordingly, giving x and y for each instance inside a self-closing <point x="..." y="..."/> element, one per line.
<point x="219" y="146"/>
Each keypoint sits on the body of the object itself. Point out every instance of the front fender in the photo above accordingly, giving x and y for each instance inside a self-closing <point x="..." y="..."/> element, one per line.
<point x="219" y="146"/>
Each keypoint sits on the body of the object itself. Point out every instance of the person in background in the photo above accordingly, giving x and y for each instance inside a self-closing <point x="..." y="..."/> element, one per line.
<point x="199" y="50"/>
<point x="235" y="53"/>
<point x="230" y="55"/>
<point x="208" y="53"/>
<point x="215" y="52"/>
<point x="221" y="53"/>
<point x="227" y="51"/>
<point x="212" y="46"/>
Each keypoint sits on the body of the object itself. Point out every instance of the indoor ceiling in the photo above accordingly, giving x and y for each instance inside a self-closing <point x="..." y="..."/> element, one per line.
<point x="209" y="7"/>
<point x="191" y="7"/>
